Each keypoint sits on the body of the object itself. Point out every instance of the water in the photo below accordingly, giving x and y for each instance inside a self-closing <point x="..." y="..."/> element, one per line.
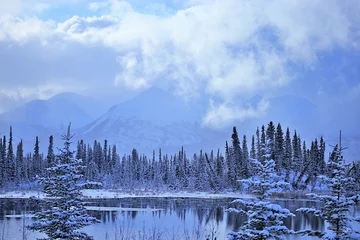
<point x="153" y="218"/>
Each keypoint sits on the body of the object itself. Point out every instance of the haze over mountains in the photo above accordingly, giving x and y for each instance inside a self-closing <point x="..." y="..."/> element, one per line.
<point x="153" y="119"/>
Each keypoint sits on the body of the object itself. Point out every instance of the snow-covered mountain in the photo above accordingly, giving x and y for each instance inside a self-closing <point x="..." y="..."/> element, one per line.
<point x="154" y="119"/>
<point x="91" y="106"/>
<point x="55" y="112"/>
<point x="155" y="104"/>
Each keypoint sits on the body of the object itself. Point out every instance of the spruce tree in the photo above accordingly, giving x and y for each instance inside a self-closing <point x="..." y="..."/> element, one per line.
<point x="37" y="159"/>
<point x="279" y="149"/>
<point x="231" y="178"/>
<point x="245" y="159"/>
<point x="237" y="154"/>
<point x="270" y="134"/>
<point x="258" y="144"/>
<point x="20" y="173"/>
<point x="287" y="155"/>
<point x="253" y="148"/>
<point x="10" y="160"/>
<point x="336" y="205"/>
<point x="66" y="213"/>
<point x="2" y="163"/>
<point x="50" y="158"/>
<point x="296" y="162"/>
<point x="265" y="219"/>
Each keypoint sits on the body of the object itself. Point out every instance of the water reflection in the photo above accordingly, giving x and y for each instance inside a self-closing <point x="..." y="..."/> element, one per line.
<point x="155" y="218"/>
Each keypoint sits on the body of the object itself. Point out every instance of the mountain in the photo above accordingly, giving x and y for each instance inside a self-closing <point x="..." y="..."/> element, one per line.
<point x="56" y="112"/>
<point x="155" y="104"/>
<point x="92" y="107"/>
<point x="146" y="135"/>
<point x="47" y="113"/>
<point x="7" y="103"/>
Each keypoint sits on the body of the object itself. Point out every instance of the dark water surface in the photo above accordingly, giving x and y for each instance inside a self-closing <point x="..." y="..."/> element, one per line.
<point x="154" y="218"/>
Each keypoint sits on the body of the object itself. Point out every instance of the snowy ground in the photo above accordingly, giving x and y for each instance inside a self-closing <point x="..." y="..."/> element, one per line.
<point x="107" y="194"/>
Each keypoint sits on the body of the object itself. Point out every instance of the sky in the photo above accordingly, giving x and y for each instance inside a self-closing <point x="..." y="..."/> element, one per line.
<point x="226" y="51"/>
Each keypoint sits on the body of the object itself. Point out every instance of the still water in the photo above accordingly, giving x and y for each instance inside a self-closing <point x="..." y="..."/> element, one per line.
<point x="154" y="218"/>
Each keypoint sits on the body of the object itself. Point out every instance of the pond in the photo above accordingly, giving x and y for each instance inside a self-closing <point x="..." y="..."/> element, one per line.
<point x="154" y="218"/>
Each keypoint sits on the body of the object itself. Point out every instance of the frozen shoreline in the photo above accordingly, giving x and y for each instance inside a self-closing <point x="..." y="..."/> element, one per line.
<point x="118" y="194"/>
<point x="111" y="194"/>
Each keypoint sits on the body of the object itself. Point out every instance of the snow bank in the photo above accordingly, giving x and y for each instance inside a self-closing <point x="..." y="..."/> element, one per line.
<point x="107" y="194"/>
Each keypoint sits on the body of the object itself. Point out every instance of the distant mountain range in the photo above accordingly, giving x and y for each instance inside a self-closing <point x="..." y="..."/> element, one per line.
<point x="153" y="119"/>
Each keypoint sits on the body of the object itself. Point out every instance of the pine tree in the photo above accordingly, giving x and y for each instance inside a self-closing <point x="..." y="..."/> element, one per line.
<point x="265" y="219"/>
<point x="287" y="155"/>
<point x="253" y="149"/>
<point x="322" y="164"/>
<point x="50" y="158"/>
<point x="10" y="160"/>
<point x="279" y="149"/>
<point x="231" y="177"/>
<point x="37" y="159"/>
<point x="2" y="163"/>
<point x="262" y="142"/>
<point x="20" y="173"/>
<point x="296" y="162"/>
<point x="258" y="144"/>
<point x="237" y="155"/>
<point x="245" y="159"/>
<point x="270" y="134"/>
<point x="336" y="205"/>
<point x="67" y="213"/>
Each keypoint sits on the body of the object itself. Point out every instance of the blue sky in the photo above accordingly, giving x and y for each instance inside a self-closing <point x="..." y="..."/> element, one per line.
<point x="228" y="51"/>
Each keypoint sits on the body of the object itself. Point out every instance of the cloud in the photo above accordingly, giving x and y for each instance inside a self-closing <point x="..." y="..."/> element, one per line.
<point x="225" y="49"/>
<point x="222" y="115"/>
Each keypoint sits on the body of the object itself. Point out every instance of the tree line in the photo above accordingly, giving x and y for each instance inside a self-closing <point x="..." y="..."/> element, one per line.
<point x="297" y="163"/>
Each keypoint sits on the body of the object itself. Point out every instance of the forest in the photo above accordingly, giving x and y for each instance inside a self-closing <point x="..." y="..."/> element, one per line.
<point x="298" y="163"/>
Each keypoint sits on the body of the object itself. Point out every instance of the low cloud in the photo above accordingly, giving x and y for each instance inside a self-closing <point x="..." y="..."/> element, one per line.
<point x="222" y="115"/>
<point x="224" y="49"/>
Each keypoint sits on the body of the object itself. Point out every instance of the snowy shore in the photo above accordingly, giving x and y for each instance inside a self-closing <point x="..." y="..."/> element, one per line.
<point x="116" y="193"/>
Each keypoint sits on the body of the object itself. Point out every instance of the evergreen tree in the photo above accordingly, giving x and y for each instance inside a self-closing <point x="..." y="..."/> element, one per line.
<point x="245" y="159"/>
<point x="296" y="162"/>
<point x="287" y="155"/>
<point x="322" y="164"/>
<point x="20" y="171"/>
<point x="114" y="158"/>
<point x="270" y="134"/>
<point x="253" y="149"/>
<point x="37" y="159"/>
<point x="265" y="219"/>
<point x="2" y="164"/>
<point x="237" y="155"/>
<point x="219" y="167"/>
<point x="10" y="160"/>
<point x="50" y="158"/>
<point x="279" y="149"/>
<point x="231" y="177"/>
<point x="262" y="143"/>
<point x="258" y="144"/>
<point x="336" y="206"/>
<point x="67" y="213"/>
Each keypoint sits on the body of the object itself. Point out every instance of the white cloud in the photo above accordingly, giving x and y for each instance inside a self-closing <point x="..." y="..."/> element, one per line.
<point x="225" y="48"/>
<point x="224" y="114"/>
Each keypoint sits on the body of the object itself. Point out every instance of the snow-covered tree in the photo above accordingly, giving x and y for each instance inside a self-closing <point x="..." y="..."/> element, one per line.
<point x="336" y="205"/>
<point x="279" y="149"/>
<point x="287" y="155"/>
<point x="66" y="213"/>
<point x="265" y="219"/>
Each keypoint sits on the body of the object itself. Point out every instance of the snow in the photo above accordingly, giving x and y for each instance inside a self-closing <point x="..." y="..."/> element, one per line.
<point x="108" y="193"/>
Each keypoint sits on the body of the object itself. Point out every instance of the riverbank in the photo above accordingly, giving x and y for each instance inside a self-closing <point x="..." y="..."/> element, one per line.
<point x="118" y="193"/>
